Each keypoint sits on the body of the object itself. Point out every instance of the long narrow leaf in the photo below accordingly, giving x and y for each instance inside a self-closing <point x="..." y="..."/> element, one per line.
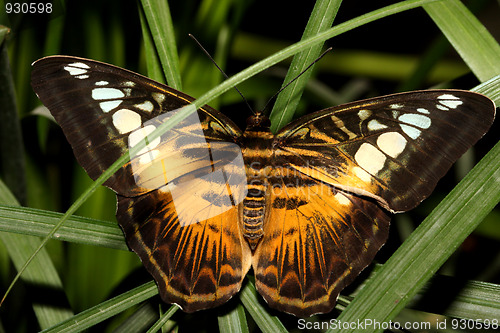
<point x="469" y="37"/>
<point x="105" y="310"/>
<point x="37" y="222"/>
<point x="40" y="274"/>
<point x="160" y="22"/>
<point x="321" y="19"/>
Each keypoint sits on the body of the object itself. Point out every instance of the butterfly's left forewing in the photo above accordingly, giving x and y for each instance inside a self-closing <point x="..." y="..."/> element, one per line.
<point x="178" y="198"/>
<point x="98" y="106"/>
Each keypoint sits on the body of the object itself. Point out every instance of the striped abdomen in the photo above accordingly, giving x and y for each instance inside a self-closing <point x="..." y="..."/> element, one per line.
<point x="257" y="152"/>
<point x="253" y="213"/>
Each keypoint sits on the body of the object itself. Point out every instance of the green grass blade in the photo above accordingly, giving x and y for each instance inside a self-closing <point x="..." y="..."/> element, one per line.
<point x="140" y="321"/>
<point x="160" y="24"/>
<point x="12" y="166"/>
<point x="163" y="320"/>
<point x="430" y="245"/>
<point x="40" y="274"/>
<point x="321" y="19"/>
<point x="153" y="65"/>
<point x="474" y="300"/>
<point x="77" y="229"/>
<point x="266" y="322"/>
<point x="469" y="37"/>
<point x="105" y="310"/>
<point x="234" y="321"/>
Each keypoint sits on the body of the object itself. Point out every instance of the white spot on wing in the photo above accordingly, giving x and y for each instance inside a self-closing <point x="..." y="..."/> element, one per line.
<point x="149" y="157"/>
<point x="75" y="71"/>
<point x="391" y="143"/>
<point x="362" y="174"/>
<point x="374" y="125"/>
<point x="448" y="96"/>
<point x="370" y="158"/>
<point x="107" y="93"/>
<point x="80" y="65"/>
<point x="417" y="120"/>
<point x="450" y="101"/>
<point x="396" y="106"/>
<point x="342" y="199"/>
<point x="126" y="120"/>
<point x="140" y="134"/>
<point x="422" y="110"/>
<point x="76" y="68"/>
<point x="158" y="97"/>
<point x="364" y="114"/>
<point x="146" y="106"/>
<point x="411" y="131"/>
<point x="101" y="83"/>
<point x="109" y="105"/>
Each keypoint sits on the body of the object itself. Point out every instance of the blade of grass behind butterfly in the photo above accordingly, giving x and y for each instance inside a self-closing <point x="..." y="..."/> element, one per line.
<point x="20" y="247"/>
<point x="267" y="323"/>
<point x="109" y="308"/>
<point x="12" y="167"/>
<point x="321" y="19"/>
<point x="162" y="30"/>
<point x="40" y="274"/>
<point x="154" y="70"/>
<point x="468" y="36"/>
<point x="433" y="241"/>
<point x="234" y="321"/>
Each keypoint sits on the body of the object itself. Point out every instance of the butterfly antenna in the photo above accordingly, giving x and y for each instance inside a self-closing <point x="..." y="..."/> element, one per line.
<point x="295" y="78"/>
<point x="220" y="70"/>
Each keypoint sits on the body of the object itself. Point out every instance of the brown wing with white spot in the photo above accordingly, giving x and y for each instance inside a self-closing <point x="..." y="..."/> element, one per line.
<point x="179" y="197"/>
<point x="393" y="148"/>
<point x="101" y="107"/>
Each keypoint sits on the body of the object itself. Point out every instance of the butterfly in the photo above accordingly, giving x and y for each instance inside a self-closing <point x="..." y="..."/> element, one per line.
<point x="306" y="208"/>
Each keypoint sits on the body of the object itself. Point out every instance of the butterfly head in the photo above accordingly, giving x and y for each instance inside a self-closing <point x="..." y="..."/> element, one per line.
<point x="258" y="121"/>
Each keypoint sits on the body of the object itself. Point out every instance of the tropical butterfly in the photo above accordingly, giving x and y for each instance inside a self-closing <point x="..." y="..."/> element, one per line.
<point x="307" y="208"/>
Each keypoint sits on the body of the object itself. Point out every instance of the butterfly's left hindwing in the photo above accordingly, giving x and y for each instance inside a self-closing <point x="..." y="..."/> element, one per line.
<point x="196" y="254"/>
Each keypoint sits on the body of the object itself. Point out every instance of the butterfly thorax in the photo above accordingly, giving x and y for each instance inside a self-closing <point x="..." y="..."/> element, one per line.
<point x="258" y="155"/>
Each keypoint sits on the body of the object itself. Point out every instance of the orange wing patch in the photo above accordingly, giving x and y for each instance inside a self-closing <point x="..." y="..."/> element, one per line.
<point x="197" y="266"/>
<point x="317" y="240"/>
